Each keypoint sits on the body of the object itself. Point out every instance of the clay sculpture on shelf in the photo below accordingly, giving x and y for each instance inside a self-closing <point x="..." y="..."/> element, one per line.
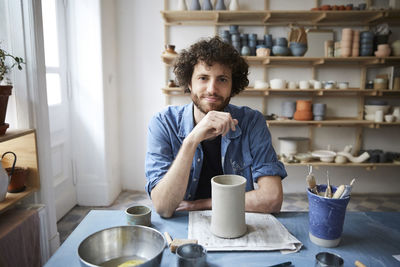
<point x="363" y="157"/>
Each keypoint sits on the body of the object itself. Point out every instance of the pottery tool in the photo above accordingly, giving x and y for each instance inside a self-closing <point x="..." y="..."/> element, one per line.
<point x="311" y="181"/>
<point x="347" y="189"/>
<point x="339" y="191"/>
<point x="359" y="264"/>
<point x="174" y="244"/>
<point x="328" y="191"/>
<point x="283" y="264"/>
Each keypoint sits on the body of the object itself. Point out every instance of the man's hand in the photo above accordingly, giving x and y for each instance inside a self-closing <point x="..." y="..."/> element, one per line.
<point x="200" y="204"/>
<point x="213" y="124"/>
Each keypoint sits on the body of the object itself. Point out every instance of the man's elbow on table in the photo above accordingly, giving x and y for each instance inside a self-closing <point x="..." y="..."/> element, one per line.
<point x="161" y="206"/>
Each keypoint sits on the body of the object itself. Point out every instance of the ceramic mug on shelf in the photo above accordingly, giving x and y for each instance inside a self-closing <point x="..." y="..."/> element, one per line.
<point x="379" y="116"/>
<point x="317" y="85"/>
<point x="304" y="85"/>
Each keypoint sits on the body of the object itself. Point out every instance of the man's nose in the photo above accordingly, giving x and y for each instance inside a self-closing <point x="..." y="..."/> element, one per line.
<point x="212" y="87"/>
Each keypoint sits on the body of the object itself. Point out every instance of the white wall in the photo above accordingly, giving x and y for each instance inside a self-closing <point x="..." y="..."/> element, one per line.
<point x="142" y="75"/>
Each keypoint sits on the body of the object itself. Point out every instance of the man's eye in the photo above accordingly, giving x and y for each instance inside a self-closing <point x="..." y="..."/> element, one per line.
<point x="202" y="78"/>
<point x="223" y="80"/>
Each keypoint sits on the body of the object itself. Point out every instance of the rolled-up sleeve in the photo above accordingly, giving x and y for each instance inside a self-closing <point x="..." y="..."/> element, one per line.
<point x="265" y="161"/>
<point x="159" y="154"/>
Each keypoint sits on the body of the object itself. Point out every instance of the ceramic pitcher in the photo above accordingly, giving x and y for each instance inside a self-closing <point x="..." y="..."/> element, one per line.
<point x="4" y="178"/>
<point x="228" y="206"/>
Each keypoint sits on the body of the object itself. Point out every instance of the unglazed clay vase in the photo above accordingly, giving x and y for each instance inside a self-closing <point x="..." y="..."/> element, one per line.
<point x="228" y="202"/>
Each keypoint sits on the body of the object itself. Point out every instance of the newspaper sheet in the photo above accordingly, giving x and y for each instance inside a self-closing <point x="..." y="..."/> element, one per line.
<point x="264" y="233"/>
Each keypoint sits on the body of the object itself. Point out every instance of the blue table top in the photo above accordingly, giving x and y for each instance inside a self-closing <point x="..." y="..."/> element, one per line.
<point x="370" y="237"/>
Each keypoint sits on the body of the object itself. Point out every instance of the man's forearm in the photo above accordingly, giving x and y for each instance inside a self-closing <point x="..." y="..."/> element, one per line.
<point x="170" y="191"/>
<point x="267" y="198"/>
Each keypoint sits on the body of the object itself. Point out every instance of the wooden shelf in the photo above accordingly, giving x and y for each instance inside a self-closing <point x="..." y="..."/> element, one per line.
<point x="14" y="198"/>
<point x="291" y="61"/>
<point x="369" y="166"/>
<point x="345" y="122"/>
<point x="23" y="144"/>
<point x="251" y="91"/>
<point x="282" y="17"/>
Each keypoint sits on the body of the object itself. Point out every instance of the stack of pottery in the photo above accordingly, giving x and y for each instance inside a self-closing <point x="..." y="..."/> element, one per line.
<point x="253" y="43"/>
<point x="268" y="41"/>
<point x="303" y="110"/>
<point x="356" y="44"/>
<point x="383" y="50"/>
<point x="396" y="48"/>
<point x="346" y="43"/>
<point x="375" y="110"/>
<point x="319" y="111"/>
<point x="281" y="47"/>
<point x="235" y="36"/>
<point x="245" y="50"/>
<point x="226" y="36"/>
<point x="288" y="109"/>
<point x="367" y="43"/>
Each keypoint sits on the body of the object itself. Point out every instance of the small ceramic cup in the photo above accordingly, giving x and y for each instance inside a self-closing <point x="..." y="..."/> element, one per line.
<point x="389" y="118"/>
<point x="191" y="255"/>
<point x="292" y="85"/>
<point x="379" y="116"/>
<point x="317" y="85"/>
<point x="304" y="85"/>
<point x="138" y="215"/>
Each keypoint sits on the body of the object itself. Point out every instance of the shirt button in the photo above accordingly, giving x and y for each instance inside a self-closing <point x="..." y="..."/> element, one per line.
<point x="198" y="159"/>
<point x="194" y="179"/>
<point x="190" y="195"/>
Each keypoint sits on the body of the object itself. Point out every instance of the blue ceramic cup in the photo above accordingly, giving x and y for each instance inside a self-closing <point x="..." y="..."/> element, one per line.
<point x="326" y="218"/>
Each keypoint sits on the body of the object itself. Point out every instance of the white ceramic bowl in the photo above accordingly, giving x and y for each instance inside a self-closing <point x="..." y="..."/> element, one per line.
<point x="324" y="155"/>
<point x="277" y="84"/>
<point x="259" y="84"/>
<point x="371" y="109"/>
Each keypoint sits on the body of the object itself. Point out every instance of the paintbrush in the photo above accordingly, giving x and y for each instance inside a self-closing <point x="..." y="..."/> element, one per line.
<point x="347" y="189"/>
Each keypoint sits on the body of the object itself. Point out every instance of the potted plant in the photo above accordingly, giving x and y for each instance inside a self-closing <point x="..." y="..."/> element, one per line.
<point x="7" y="62"/>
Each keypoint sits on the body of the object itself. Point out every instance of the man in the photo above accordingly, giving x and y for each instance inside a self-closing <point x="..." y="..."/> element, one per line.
<point x="188" y="145"/>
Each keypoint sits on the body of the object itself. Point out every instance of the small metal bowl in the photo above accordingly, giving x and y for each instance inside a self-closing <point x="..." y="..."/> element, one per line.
<point x="191" y="255"/>
<point x="326" y="259"/>
<point x="116" y="245"/>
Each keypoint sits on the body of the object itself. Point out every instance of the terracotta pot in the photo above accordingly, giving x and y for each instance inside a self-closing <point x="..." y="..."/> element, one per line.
<point x="303" y="115"/>
<point x="18" y="179"/>
<point x="303" y="105"/>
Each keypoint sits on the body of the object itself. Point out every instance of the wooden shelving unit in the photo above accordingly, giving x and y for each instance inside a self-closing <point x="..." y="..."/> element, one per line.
<point x="368" y="166"/>
<point x="23" y="144"/>
<point x="281" y="17"/>
<point x="267" y="18"/>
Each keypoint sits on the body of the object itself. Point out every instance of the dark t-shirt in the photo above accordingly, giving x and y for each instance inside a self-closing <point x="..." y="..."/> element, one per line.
<point x="211" y="167"/>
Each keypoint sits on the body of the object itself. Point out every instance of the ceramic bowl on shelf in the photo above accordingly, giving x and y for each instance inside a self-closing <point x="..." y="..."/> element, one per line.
<point x="369" y="117"/>
<point x="280" y="51"/>
<point x="277" y="84"/>
<point x="259" y="84"/>
<point x="371" y="109"/>
<point x="304" y="157"/>
<point x="324" y="155"/>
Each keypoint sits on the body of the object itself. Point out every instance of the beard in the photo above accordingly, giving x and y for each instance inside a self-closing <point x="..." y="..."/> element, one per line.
<point x="205" y="107"/>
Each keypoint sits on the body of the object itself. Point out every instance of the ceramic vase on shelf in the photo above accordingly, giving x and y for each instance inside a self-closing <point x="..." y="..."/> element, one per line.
<point x="182" y="5"/>
<point x="234" y="5"/>
<point x="195" y="5"/>
<point x="207" y="5"/>
<point x="220" y="5"/>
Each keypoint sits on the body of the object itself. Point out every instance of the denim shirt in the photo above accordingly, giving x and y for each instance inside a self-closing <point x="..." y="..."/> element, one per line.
<point x="247" y="151"/>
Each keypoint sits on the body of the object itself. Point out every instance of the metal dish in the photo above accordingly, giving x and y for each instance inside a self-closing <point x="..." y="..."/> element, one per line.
<point x="116" y="245"/>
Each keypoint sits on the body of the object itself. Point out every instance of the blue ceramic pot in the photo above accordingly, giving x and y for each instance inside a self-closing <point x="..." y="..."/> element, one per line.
<point x="280" y="50"/>
<point x="298" y="51"/>
<point x="220" y="5"/>
<point x="282" y="41"/>
<point x="366" y="34"/>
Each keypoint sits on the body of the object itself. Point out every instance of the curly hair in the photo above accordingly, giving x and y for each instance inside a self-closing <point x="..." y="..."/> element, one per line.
<point x="210" y="51"/>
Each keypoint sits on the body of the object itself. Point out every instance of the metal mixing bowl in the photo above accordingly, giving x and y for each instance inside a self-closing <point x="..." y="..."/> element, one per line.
<point x="116" y="245"/>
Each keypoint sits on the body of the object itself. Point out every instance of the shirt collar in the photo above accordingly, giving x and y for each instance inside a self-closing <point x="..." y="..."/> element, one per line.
<point x="187" y="122"/>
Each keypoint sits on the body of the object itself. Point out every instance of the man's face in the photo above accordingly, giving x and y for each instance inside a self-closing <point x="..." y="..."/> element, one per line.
<point x="211" y="87"/>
